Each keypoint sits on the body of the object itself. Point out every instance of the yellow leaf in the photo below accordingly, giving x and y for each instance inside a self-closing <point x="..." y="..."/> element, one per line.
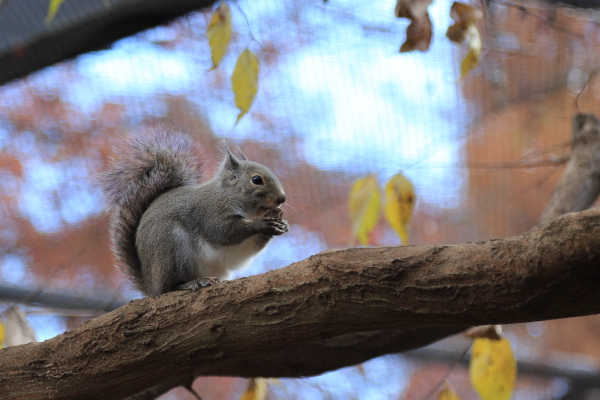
<point x="245" y="81"/>
<point x="493" y="369"/>
<point x="464" y="30"/>
<point x="256" y="390"/>
<point x="364" y="203"/>
<point x="473" y="57"/>
<point x="219" y="32"/>
<point x="448" y="394"/>
<point x="1" y="333"/>
<point x="399" y="205"/>
<point x="52" y="10"/>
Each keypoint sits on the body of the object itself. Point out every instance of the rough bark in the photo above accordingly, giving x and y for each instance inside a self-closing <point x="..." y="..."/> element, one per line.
<point x="316" y="358"/>
<point x="547" y="273"/>
<point x="334" y="353"/>
<point x="185" y="380"/>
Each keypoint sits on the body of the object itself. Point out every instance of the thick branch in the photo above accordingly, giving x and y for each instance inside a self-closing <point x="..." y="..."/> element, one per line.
<point x="63" y="301"/>
<point x="311" y="358"/>
<point x="317" y="358"/>
<point x="334" y="353"/>
<point x="552" y="272"/>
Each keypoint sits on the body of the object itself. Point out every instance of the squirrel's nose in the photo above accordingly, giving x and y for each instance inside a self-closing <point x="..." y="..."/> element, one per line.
<point x="281" y="199"/>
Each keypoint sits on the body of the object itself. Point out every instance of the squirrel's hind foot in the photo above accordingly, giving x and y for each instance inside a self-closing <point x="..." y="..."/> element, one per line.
<point x="198" y="284"/>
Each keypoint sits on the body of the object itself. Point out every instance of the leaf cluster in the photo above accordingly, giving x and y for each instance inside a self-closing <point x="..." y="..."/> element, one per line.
<point x="464" y="30"/>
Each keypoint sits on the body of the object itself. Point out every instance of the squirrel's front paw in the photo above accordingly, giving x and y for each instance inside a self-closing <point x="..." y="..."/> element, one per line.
<point x="282" y="227"/>
<point x="198" y="284"/>
<point x="274" y="226"/>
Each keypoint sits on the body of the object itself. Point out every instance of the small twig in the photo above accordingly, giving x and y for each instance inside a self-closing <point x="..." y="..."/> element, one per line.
<point x="62" y="267"/>
<point x="248" y="24"/>
<point x="193" y="392"/>
<point x="114" y="297"/>
<point x="592" y="75"/>
<point x="4" y="4"/>
<point x="485" y="16"/>
<point x="521" y="164"/>
<point x="65" y="312"/>
<point x="537" y="184"/>
<point x="447" y="374"/>
<point x="536" y="15"/>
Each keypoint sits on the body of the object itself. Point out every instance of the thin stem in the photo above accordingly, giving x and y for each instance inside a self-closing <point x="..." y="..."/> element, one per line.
<point x="447" y="374"/>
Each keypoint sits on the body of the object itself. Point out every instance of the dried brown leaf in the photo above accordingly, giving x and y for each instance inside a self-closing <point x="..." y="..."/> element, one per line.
<point x="464" y="30"/>
<point x="461" y="13"/>
<point x="457" y="33"/>
<point x="412" y="9"/>
<point x="463" y="16"/>
<point x="418" y="33"/>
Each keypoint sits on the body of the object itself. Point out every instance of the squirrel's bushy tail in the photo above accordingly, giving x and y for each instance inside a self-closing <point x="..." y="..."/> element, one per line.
<point x="143" y="168"/>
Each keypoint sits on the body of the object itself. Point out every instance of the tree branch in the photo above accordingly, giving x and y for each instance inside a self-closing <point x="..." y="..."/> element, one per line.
<point x="317" y="358"/>
<point x="274" y="324"/>
<point x="62" y="301"/>
<point x="334" y="353"/>
<point x="551" y="272"/>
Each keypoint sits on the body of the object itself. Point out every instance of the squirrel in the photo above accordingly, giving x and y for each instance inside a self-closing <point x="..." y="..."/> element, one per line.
<point x="168" y="231"/>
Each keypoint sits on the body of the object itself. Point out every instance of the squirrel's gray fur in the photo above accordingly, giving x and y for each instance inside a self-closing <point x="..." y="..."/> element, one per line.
<point x="170" y="232"/>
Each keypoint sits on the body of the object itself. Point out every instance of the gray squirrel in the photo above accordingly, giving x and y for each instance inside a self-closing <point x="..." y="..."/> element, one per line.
<point x="170" y="232"/>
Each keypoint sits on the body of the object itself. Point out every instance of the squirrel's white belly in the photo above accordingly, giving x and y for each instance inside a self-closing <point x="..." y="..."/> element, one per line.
<point x="220" y="261"/>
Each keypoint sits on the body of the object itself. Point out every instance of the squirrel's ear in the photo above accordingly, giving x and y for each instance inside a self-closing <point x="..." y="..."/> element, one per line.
<point x="231" y="162"/>
<point x="242" y="155"/>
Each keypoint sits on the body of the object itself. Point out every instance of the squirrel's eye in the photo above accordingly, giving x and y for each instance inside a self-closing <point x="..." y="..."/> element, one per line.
<point x="257" y="180"/>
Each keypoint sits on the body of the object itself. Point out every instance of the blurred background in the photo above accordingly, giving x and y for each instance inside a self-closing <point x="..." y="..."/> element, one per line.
<point x="336" y="102"/>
